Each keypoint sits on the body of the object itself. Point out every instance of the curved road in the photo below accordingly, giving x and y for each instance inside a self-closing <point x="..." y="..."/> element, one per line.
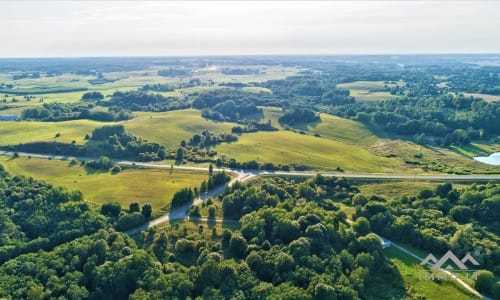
<point x="180" y="213"/>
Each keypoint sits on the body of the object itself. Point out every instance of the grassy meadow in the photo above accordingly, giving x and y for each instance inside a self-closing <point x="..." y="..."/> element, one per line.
<point x="284" y="147"/>
<point x="132" y="185"/>
<point x="170" y="128"/>
<point x="340" y="129"/>
<point x="13" y="133"/>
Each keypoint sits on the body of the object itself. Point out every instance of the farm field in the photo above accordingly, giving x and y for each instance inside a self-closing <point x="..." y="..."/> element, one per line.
<point x="284" y="147"/>
<point x="170" y="128"/>
<point x="132" y="185"/>
<point x="363" y="90"/>
<point x="13" y="133"/>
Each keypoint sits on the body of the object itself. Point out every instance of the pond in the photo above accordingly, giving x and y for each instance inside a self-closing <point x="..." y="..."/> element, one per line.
<point x="493" y="159"/>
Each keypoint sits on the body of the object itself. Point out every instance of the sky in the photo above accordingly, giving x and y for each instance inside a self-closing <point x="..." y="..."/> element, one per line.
<point x="162" y="28"/>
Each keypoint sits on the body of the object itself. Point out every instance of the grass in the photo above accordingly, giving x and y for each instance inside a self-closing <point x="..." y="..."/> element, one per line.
<point x="142" y="185"/>
<point x="285" y="147"/>
<point x="13" y="133"/>
<point x="436" y="159"/>
<point x="170" y="128"/>
<point x="341" y="129"/>
<point x="363" y="90"/>
<point x="394" y="189"/>
<point x="486" y="97"/>
<point x="410" y="270"/>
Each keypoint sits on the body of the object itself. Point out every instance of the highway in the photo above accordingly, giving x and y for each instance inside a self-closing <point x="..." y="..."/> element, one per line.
<point x="253" y="173"/>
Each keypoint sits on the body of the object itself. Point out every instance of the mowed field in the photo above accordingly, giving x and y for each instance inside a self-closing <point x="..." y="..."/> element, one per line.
<point x="362" y="90"/>
<point x="285" y="147"/>
<point x="13" y="133"/>
<point x="133" y="185"/>
<point x="170" y="128"/>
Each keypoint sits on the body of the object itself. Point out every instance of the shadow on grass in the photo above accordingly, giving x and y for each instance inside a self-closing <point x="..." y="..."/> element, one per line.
<point x="94" y="171"/>
<point x="306" y="125"/>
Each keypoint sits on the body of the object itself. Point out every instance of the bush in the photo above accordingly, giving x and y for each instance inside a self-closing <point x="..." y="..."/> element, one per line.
<point x="116" y="169"/>
<point x="129" y="221"/>
<point x="484" y="282"/>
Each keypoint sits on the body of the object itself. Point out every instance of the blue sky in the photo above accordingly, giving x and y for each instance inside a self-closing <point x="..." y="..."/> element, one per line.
<point x="138" y="28"/>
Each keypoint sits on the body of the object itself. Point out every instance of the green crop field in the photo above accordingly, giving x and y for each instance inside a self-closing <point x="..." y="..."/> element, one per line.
<point x="141" y="185"/>
<point x="410" y="269"/>
<point x="285" y="147"/>
<point x="170" y="128"/>
<point x="13" y="133"/>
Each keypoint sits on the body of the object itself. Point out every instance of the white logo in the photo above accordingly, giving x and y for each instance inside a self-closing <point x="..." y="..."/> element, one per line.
<point x="438" y="264"/>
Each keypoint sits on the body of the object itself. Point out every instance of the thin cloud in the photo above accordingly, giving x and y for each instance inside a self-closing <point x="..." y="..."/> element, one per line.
<point x="278" y="27"/>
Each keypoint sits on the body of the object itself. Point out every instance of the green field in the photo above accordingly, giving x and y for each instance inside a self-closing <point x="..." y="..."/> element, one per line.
<point x="341" y="129"/>
<point x="437" y="159"/>
<point x="13" y="133"/>
<point x="141" y="185"/>
<point x="410" y="269"/>
<point x="285" y="147"/>
<point x="363" y="90"/>
<point x="170" y="128"/>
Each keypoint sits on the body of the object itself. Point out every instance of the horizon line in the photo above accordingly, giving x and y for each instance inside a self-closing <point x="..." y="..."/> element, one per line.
<point x="257" y="54"/>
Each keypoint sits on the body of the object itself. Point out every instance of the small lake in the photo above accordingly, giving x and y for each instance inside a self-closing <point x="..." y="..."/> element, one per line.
<point x="493" y="159"/>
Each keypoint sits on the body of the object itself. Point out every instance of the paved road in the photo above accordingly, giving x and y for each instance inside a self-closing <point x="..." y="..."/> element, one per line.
<point x="278" y="173"/>
<point x="180" y="213"/>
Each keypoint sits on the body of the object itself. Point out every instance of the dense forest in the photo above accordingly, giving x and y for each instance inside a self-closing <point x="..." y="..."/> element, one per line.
<point x="446" y="116"/>
<point x="304" y="251"/>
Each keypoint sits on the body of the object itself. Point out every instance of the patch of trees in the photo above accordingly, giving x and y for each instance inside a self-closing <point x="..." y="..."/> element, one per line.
<point x="111" y="141"/>
<point x="92" y="96"/>
<point x="240" y="199"/>
<point x="299" y="115"/>
<point x="24" y="75"/>
<point x="230" y="104"/>
<point x="182" y="197"/>
<point x="440" y="219"/>
<point x="186" y="195"/>
<point x="54" y="112"/>
<point x="484" y="80"/>
<point x="230" y="111"/>
<point x="462" y="118"/>
<point x="159" y="87"/>
<point x="174" y="72"/>
<point x="253" y="126"/>
<point x="310" y="91"/>
<point x="125" y="220"/>
<point x="142" y="101"/>
<point x="103" y="163"/>
<point x="114" y="141"/>
<point x="35" y="215"/>
<point x="239" y="71"/>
